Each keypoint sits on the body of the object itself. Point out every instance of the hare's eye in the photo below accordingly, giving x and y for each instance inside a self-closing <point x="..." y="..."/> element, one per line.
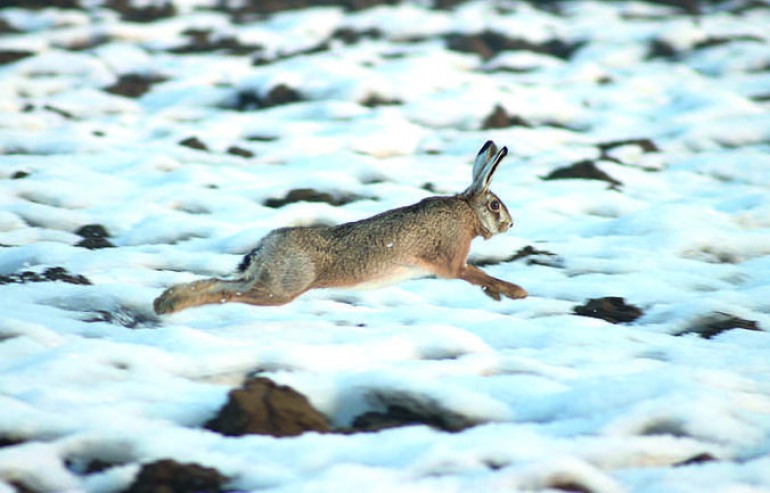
<point x="494" y="205"/>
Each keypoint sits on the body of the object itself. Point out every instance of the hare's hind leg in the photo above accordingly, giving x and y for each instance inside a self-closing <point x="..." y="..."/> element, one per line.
<point x="203" y="292"/>
<point x="492" y="286"/>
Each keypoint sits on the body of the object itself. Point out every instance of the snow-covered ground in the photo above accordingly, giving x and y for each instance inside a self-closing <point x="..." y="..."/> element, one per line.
<point x="378" y="111"/>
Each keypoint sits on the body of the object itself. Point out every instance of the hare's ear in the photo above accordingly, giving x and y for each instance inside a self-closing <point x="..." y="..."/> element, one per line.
<point x="487" y="161"/>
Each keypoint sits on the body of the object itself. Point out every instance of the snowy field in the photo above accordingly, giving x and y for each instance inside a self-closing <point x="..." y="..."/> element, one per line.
<point x="176" y="132"/>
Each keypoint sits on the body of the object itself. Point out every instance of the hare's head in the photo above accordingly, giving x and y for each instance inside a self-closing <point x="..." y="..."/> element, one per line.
<point x="492" y="213"/>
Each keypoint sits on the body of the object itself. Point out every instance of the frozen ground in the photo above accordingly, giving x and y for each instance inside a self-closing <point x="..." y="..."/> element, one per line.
<point x="373" y="108"/>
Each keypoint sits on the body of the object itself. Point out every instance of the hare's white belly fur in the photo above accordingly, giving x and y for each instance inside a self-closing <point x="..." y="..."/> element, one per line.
<point x="394" y="276"/>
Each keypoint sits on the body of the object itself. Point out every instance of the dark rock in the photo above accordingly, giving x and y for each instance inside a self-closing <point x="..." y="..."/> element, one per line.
<point x="95" y="243"/>
<point x="350" y="36"/>
<point x="50" y="274"/>
<point x="10" y="56"/>
<point x="169" y="476"/>
<point x="311" y="195"/>
<point x="21" y="487"/>
<point x="145" y="12"/>
<point x="659" y="48"/>
<point x="92" y="231"/>
<point x="697" y="459"/>
<point x="280" y="94"/>
<point x="63" y="113"/>
<point x="319" y="48"/>
<point x="7" y="28"/>
<point x="194" y="143"/>
<point x="499" y="118"/>
<point x="134" y="85"/>
<point x="245" y="11"/>
<point x="8" y="441"/>
<point x="240" y="151"/>
<point x="487" y="44"/>
<point x="19" y="175"/>
<point x="613" y="309"/>
<point x="262" y="138"/>
<point x="532" y="254"/>
<point x="123" y="316"/>
<point x="647" y="145"/>
<point x="570" y="486"/>
<point x="583" y="170"/>
<point x="204" y="41"/>
<point x="718" y="322"/>
<point x="396" y="416"/>
<point x="42" y="4"/>
<point x="265" y="408"/>
<point x="375" y="100"/>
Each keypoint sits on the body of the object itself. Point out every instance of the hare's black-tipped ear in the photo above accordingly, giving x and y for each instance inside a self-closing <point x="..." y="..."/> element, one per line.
<point x="488" y="150"/>
<point x="487" y="161"/>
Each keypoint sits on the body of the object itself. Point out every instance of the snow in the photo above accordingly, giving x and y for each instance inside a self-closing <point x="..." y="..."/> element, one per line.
<point x="555" y="399"/>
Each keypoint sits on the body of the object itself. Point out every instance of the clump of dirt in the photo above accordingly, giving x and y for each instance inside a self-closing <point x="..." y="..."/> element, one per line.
<point x="240" y="152"/>
<point x="312" y="195"/>
<point x="48" y="275"/>
<point x="718" y="322"/>
<point x="134" y="85"/>
<point x="194" y="143"/>
<point x="248" y="100"/>
<point x="94" y="237"/>
<point x="169" y="476"/>
<point x="142" y="12"/>
<point x="583" y="170"/>
<point x="488" y="44"/>
<point x="10" y="56"/>
<point x="206" y="41"/>
<point x="532" y="255"/>
<point x="263" y="407"/>
<point x="613" y="309"/>
<point x="397" y="416"/>
<point x="499" y="118"/>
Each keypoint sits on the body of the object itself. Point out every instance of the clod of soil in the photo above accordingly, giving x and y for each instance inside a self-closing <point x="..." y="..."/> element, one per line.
<point x="134" y="85"/>
<point x="397" y="416"/>
<point x="532" y="254"/>
<point x="612" y="309"/>
<point x="249" y="100"/>
<point x="50" y="274"/>
<point x="488" y="44"/>
<point x="499" y="118"/>
<point x="240" y="152"/>
<point x="194" y="143"/>
<point x="10" y="56"/>
<point x="169" y="476"/>
<point x="351" y="36"/>
<point x="205" y="40"/>
<point x="698" y="459"/>
<point x="375" y="100"/>
<point x="311" y="195"/>
<point x="142" y="11"/>
<point x="94" y="236"/>
<point x="263" y="407"/>
<point x="716" y="323"/>
<point x="583" y="170"/>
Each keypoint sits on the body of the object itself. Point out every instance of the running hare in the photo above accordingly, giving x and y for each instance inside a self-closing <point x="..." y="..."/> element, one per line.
<point x="432" y="236"/>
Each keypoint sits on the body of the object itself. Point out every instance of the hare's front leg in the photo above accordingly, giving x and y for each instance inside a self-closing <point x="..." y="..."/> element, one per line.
<point x="492" y="286"/>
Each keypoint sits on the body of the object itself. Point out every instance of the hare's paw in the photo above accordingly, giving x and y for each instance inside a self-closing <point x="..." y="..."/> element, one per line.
<point x="491" y="292"/>
<point x="513" y="291"/>
<point x="168" y="301"/>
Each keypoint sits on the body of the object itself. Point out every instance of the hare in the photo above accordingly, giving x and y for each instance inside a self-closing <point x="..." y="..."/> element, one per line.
<point x="431" y="237"/>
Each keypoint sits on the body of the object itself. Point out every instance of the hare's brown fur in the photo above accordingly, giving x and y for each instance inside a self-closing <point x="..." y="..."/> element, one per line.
<point x="432" y="236"/>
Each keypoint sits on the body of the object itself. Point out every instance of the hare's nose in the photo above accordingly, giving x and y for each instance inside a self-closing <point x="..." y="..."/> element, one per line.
<point x="506" y="225"/>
